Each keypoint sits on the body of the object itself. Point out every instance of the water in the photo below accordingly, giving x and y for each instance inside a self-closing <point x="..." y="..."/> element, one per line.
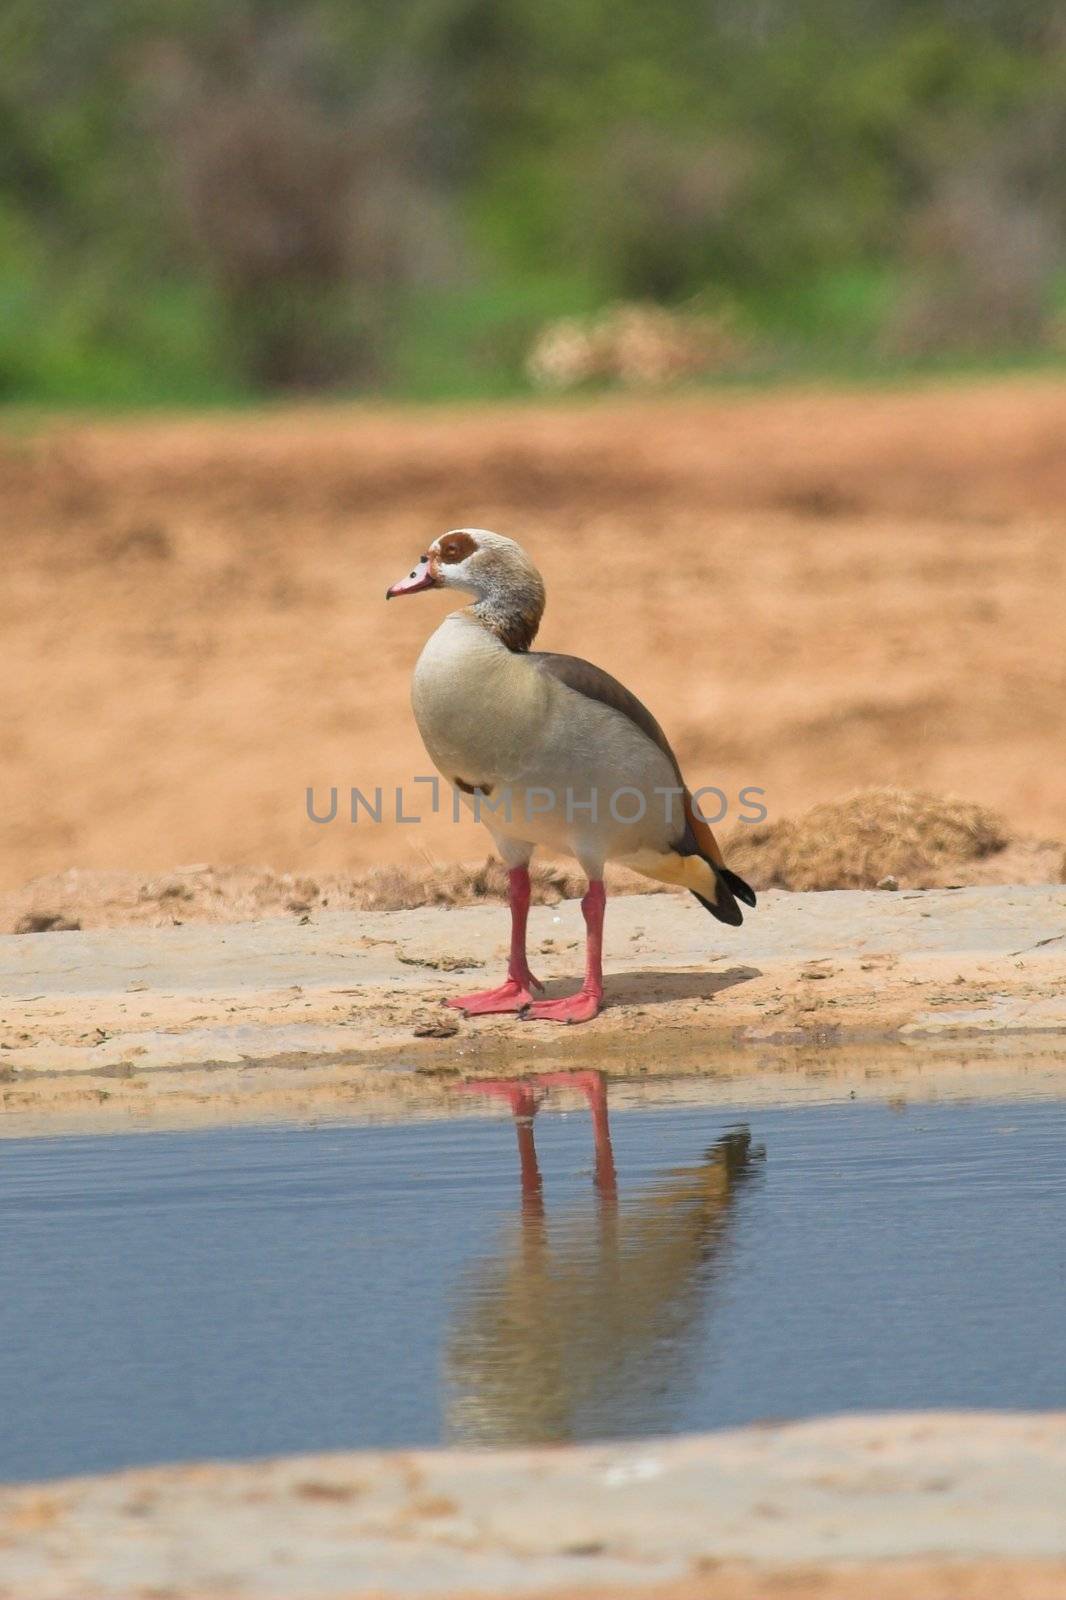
<point x="250" y="1291"/>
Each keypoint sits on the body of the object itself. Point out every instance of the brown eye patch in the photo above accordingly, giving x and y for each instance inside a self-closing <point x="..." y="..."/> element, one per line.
<point x="456" y="547"/>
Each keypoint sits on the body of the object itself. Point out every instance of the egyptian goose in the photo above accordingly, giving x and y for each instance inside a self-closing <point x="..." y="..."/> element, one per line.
<point x="549" y="750"/>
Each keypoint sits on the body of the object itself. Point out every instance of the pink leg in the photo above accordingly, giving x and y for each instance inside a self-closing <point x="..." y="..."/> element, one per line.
<point x="584" y="1005"/>
<point x="514" y="993"/>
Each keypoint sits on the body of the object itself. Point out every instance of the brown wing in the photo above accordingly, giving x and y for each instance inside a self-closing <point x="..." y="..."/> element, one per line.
<point x="697" y="838"/>
<point x="599" y="685"/>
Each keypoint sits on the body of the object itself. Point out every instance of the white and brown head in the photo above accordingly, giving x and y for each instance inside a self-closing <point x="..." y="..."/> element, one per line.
<point x="508" y="589"/>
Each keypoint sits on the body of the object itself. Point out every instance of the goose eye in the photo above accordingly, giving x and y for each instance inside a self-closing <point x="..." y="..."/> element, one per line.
<point x="457" y="548"/>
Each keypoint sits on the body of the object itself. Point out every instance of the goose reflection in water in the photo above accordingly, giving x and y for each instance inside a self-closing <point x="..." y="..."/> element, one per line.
<point x="587" y="1326"/>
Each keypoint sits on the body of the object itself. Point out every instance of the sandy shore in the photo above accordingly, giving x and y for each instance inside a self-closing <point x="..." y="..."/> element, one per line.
<point x="345" y="1013"/>
<point x="940" y="1505"/>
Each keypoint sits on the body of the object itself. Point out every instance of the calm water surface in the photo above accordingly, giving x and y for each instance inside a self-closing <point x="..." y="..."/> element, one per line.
<point x="249" y="1291"/>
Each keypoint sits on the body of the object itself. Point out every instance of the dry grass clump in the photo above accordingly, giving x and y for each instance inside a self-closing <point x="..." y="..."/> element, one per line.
<point x="63" y="902"/>
<point x="918" y="840"/>
<point x="636" y="346"/>
<point x="458" y="884"/>
<point x="855" y="843"/>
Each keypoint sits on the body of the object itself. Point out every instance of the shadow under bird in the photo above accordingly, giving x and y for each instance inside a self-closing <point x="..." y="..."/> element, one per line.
<point x="550" y="750"/>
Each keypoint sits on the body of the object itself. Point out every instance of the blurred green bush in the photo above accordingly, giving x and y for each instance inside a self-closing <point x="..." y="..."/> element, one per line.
<point x="206" y="203"/>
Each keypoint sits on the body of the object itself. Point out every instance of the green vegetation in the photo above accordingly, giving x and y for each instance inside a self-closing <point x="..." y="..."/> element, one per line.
<point x="204" y="203"/>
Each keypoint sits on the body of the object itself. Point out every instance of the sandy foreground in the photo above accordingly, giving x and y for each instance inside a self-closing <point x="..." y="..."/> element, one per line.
<point x="344" y="1012"/>
<point x="933" y="1506"/>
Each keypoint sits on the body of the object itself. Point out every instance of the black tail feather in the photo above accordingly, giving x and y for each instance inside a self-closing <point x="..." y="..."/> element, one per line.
<point x="742" y="890"/>
<point x="725" y="907"/>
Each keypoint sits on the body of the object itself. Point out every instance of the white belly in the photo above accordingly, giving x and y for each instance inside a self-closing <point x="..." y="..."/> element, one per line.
<point x="476" y="713"/>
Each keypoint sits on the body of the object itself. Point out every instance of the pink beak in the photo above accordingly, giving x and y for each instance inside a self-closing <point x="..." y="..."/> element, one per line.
<point x="420" y="578"/>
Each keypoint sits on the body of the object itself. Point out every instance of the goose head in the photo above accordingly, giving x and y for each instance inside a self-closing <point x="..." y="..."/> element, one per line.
<point x="466" y="558"/>
<point x="508" y="589"/>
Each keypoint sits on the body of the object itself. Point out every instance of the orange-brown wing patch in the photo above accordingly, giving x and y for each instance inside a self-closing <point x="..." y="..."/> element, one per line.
<point x="702" y="832"/>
